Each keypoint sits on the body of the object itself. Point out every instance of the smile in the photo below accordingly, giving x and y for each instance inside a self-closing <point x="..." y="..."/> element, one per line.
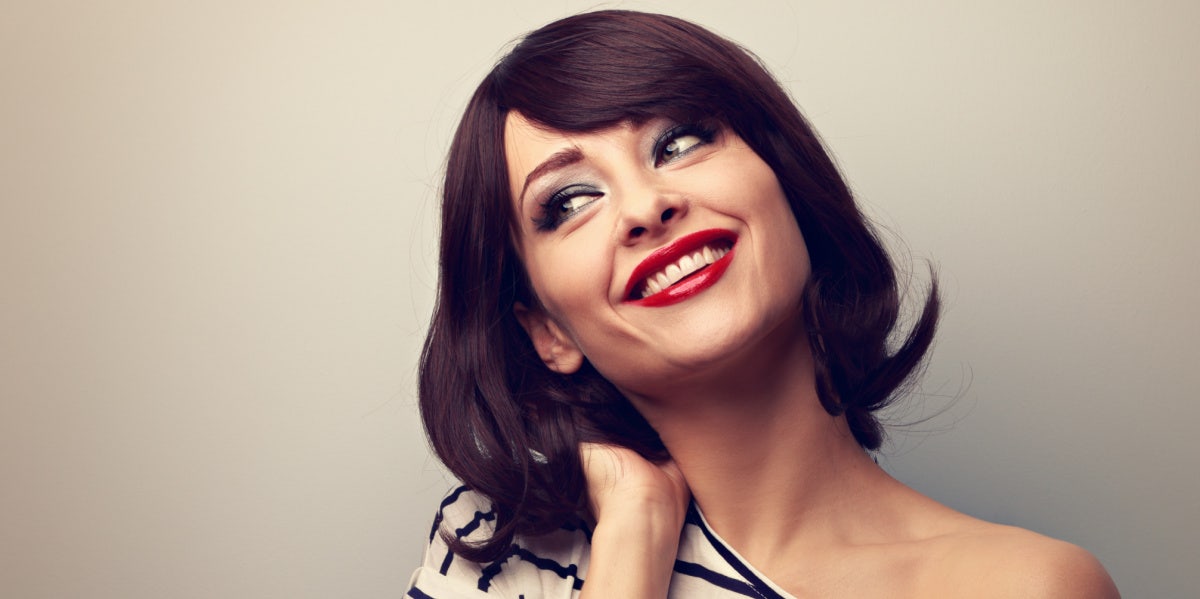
<point x="681" y="269"/>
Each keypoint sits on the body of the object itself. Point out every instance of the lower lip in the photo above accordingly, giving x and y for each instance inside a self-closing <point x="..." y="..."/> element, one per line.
<point x="688" y="287"/>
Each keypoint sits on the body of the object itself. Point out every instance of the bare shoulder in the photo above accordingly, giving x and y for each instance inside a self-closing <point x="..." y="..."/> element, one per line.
<point x="1002" y="562"/>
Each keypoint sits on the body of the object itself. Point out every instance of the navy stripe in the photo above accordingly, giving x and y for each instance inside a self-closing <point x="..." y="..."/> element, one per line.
<point x="714" y="578"/>
<point x="763" y="589"/>
<point x="416" y="593"/>
<point x="474" y="523"/>
<point x="581" y="526"/>
<point x="446" y="562"/>
<point x="541" y="563"/>
<point x="491" y="570"/>
<point x="437" y="520"/>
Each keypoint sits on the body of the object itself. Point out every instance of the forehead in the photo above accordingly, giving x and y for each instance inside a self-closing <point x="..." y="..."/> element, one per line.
<point x="517" y="127"/>
<point x="526" y="144"/>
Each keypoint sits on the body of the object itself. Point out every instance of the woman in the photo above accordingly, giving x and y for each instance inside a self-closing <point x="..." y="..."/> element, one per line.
<point x="660" y="310"/>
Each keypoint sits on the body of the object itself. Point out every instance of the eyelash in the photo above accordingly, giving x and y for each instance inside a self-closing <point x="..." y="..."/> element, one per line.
<point x="703" y="131"/>
<point x="550" y="215"/>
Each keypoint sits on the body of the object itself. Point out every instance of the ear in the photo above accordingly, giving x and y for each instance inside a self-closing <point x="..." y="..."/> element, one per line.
<point x="556" y="348"/>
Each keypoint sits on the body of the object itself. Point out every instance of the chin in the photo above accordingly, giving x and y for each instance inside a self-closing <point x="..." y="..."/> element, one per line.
<point x="703" y="358"/>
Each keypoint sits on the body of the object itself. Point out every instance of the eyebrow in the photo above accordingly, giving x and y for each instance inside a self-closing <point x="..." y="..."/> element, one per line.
<point x="557" y="160"/>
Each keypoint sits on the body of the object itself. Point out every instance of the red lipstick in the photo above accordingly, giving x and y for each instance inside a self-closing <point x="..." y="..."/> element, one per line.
<point x="671" y="253"/>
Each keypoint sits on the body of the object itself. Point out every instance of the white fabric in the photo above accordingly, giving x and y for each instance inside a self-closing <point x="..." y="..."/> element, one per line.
<point x="554" y="566"/>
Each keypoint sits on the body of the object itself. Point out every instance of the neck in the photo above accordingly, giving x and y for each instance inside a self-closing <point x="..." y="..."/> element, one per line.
<point x="768" y="466"/>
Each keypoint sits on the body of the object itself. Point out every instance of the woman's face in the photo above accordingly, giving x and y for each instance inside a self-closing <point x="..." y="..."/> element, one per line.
<point x="661" y="251"/>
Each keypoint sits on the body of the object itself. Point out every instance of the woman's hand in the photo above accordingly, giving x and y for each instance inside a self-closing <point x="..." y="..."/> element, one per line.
<point x="619" y="481"/>
<point x="639" y="508"/>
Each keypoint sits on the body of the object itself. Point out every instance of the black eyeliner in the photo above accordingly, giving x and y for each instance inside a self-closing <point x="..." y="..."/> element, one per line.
<point x="548" y="218"/>
<point x="707" y="132"/>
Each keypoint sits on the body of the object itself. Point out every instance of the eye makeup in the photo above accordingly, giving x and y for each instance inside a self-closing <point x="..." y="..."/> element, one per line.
<point x="680" y="140"/>
<point x="563" y="204"/>
<point x="674" y="142"/>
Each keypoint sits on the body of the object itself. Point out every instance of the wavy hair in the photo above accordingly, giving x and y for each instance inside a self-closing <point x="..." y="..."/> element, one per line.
<point x="501" y="421"/>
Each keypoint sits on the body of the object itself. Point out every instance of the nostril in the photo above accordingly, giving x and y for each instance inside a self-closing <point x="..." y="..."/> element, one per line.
<point x="667" y="214"/>
<point x="637" y="232"/>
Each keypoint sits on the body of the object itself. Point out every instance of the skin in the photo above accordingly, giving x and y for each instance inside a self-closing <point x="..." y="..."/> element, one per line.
<point x="726" y="377"/>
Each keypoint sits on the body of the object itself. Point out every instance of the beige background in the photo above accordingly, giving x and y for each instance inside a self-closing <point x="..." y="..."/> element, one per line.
<point x="217" y="254"/>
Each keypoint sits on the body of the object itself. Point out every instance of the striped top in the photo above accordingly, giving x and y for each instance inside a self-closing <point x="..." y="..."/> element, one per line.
<point x="555" y="566"/>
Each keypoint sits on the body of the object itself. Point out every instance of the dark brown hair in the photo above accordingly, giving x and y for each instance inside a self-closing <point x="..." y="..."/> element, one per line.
<point x="496" y="416"/>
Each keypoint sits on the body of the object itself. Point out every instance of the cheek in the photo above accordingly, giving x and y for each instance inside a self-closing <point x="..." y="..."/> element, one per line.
<point x="789" y="253"/>
<point x="570" y="276"/>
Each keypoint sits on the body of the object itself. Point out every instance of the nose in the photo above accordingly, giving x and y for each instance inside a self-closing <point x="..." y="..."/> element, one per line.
<point x="649" y="216"/>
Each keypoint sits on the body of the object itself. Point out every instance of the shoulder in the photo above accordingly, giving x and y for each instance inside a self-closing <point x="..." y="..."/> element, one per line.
<point x="463" y="514"/>
<point x="551" y="565"/>
<point x="1002" y="562"/>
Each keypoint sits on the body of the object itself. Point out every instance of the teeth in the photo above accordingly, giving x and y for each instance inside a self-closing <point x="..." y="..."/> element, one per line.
<point x="686" y="265"/>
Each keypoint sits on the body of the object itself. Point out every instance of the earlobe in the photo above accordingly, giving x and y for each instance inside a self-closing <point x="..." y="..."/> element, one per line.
<point x="557" y="350"/>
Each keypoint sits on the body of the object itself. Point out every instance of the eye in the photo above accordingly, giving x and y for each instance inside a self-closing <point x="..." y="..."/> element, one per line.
<point x="681" y="140"/>
<point x="679" y="146"/>
<point x="573" y="205"/>
<point x="564" y="204"/>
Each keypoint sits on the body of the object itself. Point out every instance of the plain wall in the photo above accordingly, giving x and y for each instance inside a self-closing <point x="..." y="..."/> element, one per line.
<point x="217" y="259"/>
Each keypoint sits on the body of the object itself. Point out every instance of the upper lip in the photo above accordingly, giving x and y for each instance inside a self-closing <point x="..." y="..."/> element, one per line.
<point x="672" y="252"/>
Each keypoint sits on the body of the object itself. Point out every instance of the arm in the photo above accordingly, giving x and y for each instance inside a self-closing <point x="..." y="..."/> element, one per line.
<point x="639" y="509"/>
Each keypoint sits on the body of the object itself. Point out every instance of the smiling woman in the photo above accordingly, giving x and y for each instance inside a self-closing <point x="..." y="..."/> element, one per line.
<point x="660" y="341"/>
